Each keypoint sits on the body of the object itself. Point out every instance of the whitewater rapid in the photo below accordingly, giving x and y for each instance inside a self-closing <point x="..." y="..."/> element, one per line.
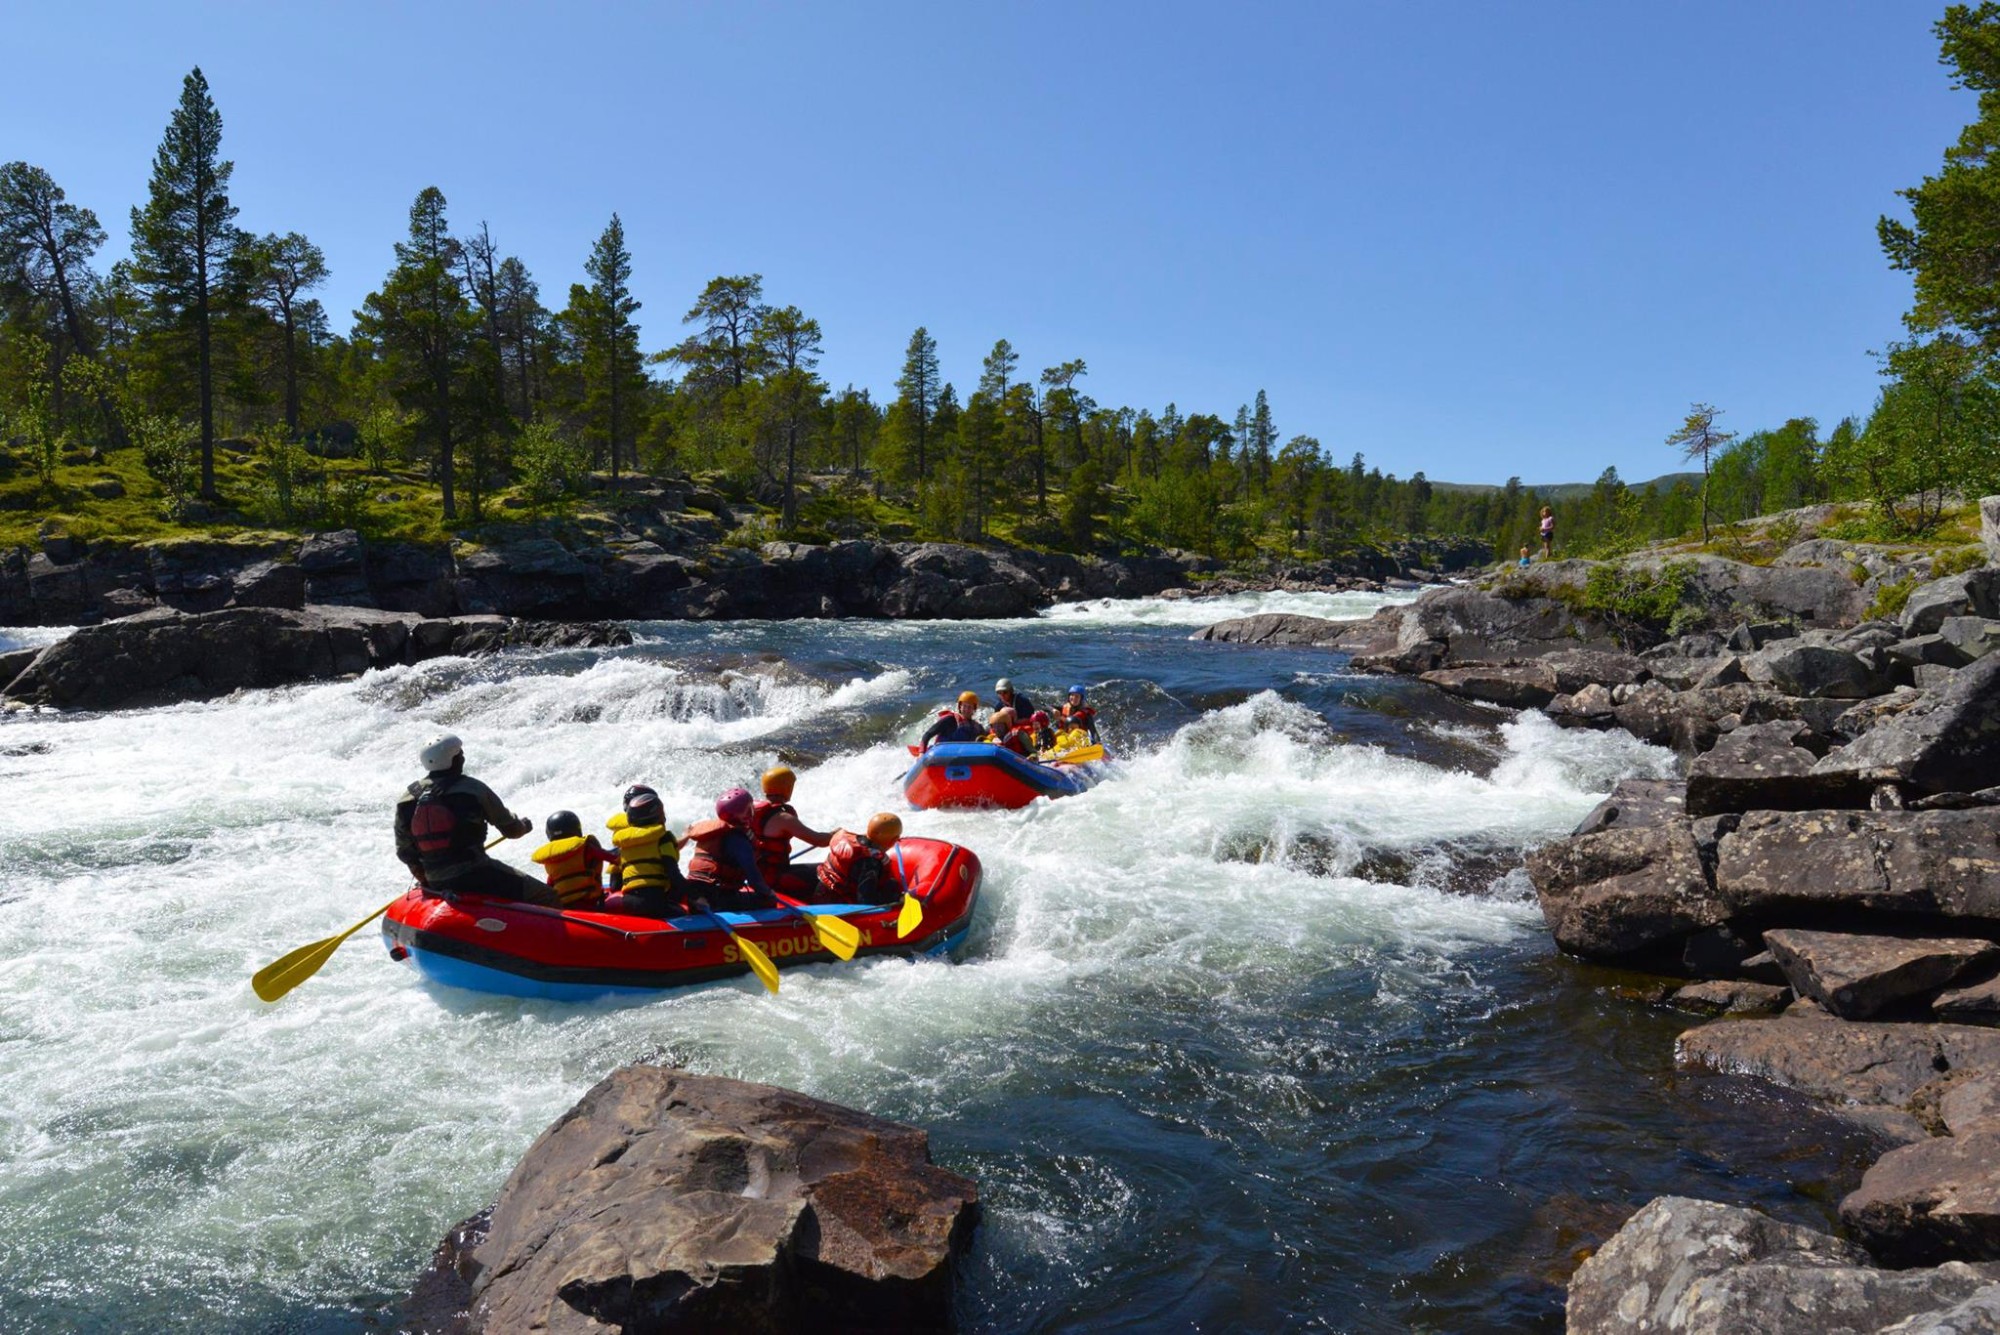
<point x="165" y="1134"/>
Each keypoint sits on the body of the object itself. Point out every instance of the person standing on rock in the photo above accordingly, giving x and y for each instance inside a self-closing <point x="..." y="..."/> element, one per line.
<point x="1548" y="534"/>
<point x="773" y="826"/>
<point x="441" y="831"/>
<point x="955" y="725"/>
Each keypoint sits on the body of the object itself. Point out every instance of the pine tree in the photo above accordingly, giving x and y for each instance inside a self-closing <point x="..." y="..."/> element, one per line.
<point x="917" y="392"/>
<point x="182" y="240"/>
<point x="278" y="269"/>
<point x="1262" y="445"/>
<point x="614" y="371"/>
<point x="425" y="329"/>
<point x="790" y="344"/>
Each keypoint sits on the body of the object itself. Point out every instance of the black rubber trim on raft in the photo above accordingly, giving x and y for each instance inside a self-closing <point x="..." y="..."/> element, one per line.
<point x="485" y="956"/>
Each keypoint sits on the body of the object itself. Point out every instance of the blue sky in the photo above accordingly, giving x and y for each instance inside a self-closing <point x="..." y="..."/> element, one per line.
<point x="1474" y="239"/>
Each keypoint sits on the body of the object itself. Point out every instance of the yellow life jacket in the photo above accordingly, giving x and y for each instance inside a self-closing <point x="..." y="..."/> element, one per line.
<point x="1071" y="740"/>
<point x="643" y="852"/>
<point x="572" y="875"/>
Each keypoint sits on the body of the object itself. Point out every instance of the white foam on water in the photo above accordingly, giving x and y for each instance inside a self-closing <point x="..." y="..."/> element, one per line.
<point x="1208" y="611"/>
<point x="160" y="1126"/>
<point x="32" y="637"/>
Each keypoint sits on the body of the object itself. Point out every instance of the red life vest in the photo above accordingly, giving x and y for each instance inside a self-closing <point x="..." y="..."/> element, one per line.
<point x="774" y="851"/>
<point x="1080" y="716"/>
<point x="707" y="864"/>
<point x="845" y="872"/>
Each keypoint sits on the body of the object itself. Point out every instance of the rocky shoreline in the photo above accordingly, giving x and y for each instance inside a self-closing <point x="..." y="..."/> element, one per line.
<point x="1830" y="863"/>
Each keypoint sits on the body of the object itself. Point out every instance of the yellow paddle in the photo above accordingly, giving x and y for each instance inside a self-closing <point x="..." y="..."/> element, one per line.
<point x="1082" y="755"/>
<point x="836" y="933"/>
<point x="912" y="916"/>
<point x="288" y="971"/>
<point x="753" y="955"/>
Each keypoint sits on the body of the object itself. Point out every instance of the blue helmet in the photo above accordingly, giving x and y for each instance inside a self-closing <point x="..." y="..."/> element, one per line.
<point x="1076" y="690"/>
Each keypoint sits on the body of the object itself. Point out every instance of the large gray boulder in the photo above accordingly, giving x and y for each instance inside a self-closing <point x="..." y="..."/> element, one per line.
<point x="1631" y="885"/>
<point x="1777" y="864"/>
<point x="1278" y="628"/>
<point x="1521" y="686"/>
<point x="1856" y="977"/>
<point x="1932" y="1201"/>
<point x="1973" y="593"/>
<point x="1694" y="1267"/>
<point x="667" y="1202"/>
<point x="1816" y="671"/>
<point x="1868" y="1072"/>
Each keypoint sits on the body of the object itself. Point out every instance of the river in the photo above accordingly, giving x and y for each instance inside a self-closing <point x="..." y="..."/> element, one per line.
<point x="1262" y="1033"/>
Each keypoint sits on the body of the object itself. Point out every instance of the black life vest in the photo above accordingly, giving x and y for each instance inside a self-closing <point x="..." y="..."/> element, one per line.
<point x="449" y="827"/>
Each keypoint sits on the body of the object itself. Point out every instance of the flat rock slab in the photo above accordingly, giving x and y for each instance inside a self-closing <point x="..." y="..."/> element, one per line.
<point x="1977" y="1004"/>
<point x="1866" y="1072"/>
<point x="1702" y="1268"/>
<point x="1732" y="996"/>
<point x="1948" y="741"/>
<point x="1761" y="766"/>
<point x="1855" y="977"/>
<point x="1933" y="1201"/>
<point x="666" y="1201"/>
<point x="1521" y="685"/>
<point x="1777" y="863"/>
<point x="1275" y="628"/>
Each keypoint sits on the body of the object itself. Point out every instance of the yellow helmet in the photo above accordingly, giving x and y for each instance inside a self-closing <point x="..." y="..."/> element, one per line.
<point x="968" y="700"/>
<point x="884" y="828"/>
<point x="779" y="781"/>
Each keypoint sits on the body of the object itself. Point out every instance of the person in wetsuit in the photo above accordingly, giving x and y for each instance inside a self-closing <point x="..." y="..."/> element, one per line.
<point x="723" y="871"/>
<point x="955" y="725"/>
<point x="441" y="831"/>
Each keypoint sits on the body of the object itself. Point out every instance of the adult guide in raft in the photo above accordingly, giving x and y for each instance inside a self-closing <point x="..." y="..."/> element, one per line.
<point x="473" y="921"/>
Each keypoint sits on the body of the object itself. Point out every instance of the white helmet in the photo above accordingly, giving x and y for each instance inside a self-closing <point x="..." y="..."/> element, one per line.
<point x="441" y="752"/>
<point x="1004" y="684"/>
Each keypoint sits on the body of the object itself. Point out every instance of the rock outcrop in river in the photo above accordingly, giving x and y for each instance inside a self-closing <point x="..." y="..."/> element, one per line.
<point x="1834" y="851"/>
<point x="666" y="1202"/>
<point x="163" y="656"/>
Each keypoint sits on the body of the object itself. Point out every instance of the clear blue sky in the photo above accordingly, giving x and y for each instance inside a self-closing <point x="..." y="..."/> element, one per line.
<point x="1475" y="239"/>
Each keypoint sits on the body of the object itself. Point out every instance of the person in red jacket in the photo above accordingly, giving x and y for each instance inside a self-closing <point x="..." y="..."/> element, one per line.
<point x="773" y="826"/>
<point x="723" y="871"/>
<point x="857" y="869"/>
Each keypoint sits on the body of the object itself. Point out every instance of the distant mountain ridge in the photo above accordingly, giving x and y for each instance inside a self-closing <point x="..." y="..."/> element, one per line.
<point x="1562" y="491"/>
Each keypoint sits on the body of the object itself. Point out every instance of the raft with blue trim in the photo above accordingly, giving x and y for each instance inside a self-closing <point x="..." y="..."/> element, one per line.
<point x="986" y="774"/>
<point x="525" y="950"/>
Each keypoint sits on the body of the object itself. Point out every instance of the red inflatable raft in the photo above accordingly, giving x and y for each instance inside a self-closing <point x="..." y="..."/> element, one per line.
<point x="523" y="950"/>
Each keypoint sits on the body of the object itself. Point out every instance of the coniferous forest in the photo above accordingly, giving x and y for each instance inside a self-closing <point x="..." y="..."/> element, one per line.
<point x="201" y="385"/>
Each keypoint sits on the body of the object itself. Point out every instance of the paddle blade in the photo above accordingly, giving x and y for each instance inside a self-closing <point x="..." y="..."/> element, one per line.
<point x="916" y="750"/>
<point x="910" y="918"/>
<point x="1083" y="755"/>
<point x="760" y="963"/>
<point x="288" y="971"/>
<point x="837" y="942"/>
<point x="281" y="976"/>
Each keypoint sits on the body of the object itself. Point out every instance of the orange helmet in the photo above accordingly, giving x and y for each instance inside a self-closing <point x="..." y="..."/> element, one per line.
<point x="778" y="782"/>
<point x="884" y="828"/>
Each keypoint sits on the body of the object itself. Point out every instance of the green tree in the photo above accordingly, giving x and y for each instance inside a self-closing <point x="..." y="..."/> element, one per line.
<point x="792" y="395"/>
<point x="1932" y="433"/>
<point x="917" y="395"/>
<point x="723" y="351"/>
<point x="424" y="327"/>
<point x="46" y="244"/>
<point x="614" y="372"/>
<point x="278" y="270"/>
<point x="1297" y="470"/>
<point x="182" y="240"/>
<point x="1699" y="438"/>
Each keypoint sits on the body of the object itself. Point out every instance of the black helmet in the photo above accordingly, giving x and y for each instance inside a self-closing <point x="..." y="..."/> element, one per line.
<point x="642" y="806"/>
<point x="563" y="825"/>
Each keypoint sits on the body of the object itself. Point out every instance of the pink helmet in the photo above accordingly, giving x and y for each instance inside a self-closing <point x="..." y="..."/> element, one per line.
<point x="734" y="805"/>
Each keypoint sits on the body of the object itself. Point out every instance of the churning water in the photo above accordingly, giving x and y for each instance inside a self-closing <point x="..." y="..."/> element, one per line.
<point x="1261" y="1033"/>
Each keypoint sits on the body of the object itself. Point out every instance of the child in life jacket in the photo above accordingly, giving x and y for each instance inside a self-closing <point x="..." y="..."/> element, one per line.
<point x="723" y="871"/>
<point x="570" y="860"/>
<point x="647" y="880"/>
<point x="857" y="869"/>
<point x="1076" y="714"/>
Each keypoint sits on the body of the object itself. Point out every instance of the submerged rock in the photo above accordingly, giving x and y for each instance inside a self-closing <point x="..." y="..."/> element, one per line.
<point x="666" y="1201"/>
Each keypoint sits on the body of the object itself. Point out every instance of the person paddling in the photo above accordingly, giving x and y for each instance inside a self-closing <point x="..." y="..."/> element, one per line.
<point x="773" y="826"/>
<point x="648" y="878"/>
<point x="570" y="860"/>
<point x="958" y="724"/>
<point x="723" y="870"/>
<point x="441" y="831"/>
<point x="857" y="870"/>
